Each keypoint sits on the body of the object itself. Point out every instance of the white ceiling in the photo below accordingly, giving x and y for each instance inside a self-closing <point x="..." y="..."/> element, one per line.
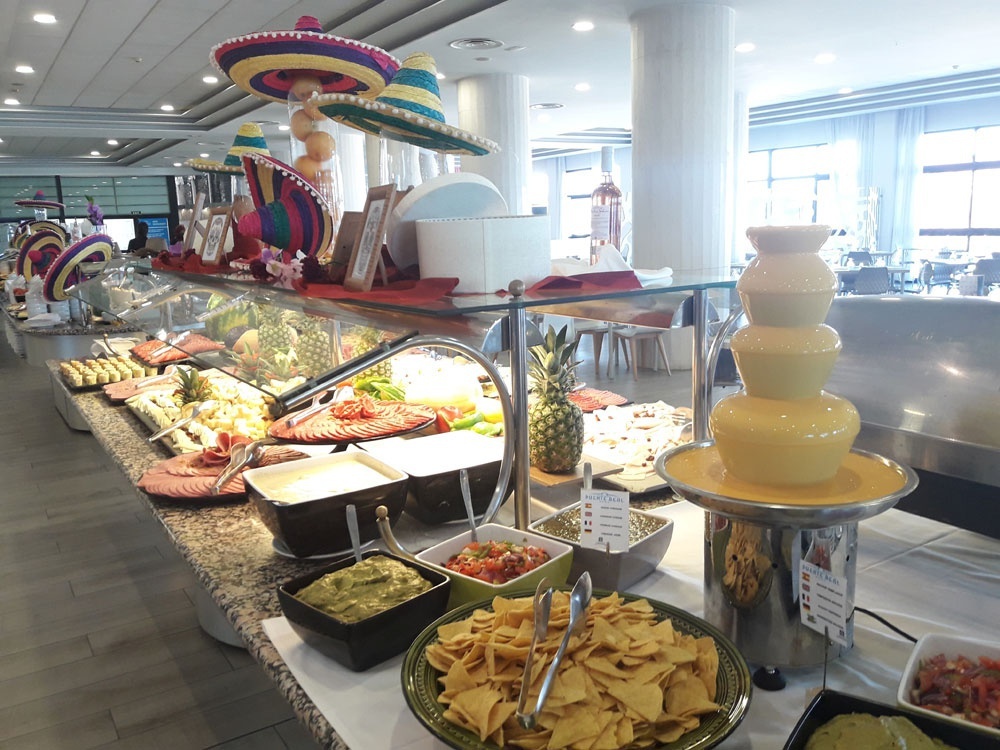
<point x="103" y="70"/>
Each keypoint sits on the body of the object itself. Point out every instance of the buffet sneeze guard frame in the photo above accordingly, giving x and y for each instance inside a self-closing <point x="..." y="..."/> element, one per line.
<point x="177" y="302"/>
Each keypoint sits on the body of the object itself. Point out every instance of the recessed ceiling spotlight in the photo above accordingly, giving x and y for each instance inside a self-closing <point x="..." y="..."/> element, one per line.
<point x="10" y="101"/>
<point x="583" y="26"/>
<point x="547" y="105"/>
<point x="44" y="18"/>
<point x="824" y="58"/>
<point x="203" y="156"/>
<point x="515" y="48"/>
<point x="24" y="69"/>
<point x="481" y="59"/>
<point x="440" y="76"/>
<point x="210" y="79"/>
<point x="284" y="127"/>
<point x="845" y="90"/>
<point x="582" y="87"/>
<point x="167" y="107"/>
<point x="177" y="164"/>
<point x="475" y="43"/>
<point x="95" y="153"/>
<point x="745" y="47"/>
<point x="112" y="142"/>
<point x="1" y="140"/>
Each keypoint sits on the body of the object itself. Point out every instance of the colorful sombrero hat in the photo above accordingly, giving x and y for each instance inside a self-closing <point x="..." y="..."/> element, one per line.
<point x="249" y="139"/>
<point x="65" y="272"/>
<point x="410" y="107"/>
<point x="267" y="63"/>
<point x="39" y="202"/>
<point x="291" y="214"/>
<point x="38" y="251"/>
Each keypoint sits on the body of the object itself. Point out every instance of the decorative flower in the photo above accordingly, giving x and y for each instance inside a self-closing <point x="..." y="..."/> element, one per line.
<point x="94" y="212"/>
<point x="270" y="267"/>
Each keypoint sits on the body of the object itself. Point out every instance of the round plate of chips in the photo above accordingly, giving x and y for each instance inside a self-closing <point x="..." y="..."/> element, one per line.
<point x="635" y="679"/>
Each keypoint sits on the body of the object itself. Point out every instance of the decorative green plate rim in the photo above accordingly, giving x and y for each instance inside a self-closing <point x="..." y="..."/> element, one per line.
<point x="733" y="691"/>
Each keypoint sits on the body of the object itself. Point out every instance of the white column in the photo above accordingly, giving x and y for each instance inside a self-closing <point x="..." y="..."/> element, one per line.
<point x="739" y="244"/>
<point x="682" y="130"/>
<point x="495" y="106"/>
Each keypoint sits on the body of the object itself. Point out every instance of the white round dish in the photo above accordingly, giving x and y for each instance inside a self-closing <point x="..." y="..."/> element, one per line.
<point x="447" y="196"/>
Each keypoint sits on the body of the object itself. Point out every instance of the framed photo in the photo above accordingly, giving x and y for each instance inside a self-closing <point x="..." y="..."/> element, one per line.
<point x="215" y="235"/>
<point x="367" y="248"/>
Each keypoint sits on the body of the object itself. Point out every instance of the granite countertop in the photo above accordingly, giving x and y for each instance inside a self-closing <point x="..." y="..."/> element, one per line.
<point x="72" y="328"/>
<point x="231" y="550"/>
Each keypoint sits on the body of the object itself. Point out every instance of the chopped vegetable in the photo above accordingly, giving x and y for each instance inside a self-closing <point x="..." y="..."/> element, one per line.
<point x="496" y="562"/>
<point x="467" y="421"/>
<point x="960" y="687"/>
<point x="445" y="416"/>
<point x="490" y="429"/>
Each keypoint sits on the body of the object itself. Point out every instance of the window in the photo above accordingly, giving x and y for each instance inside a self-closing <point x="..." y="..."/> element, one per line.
<point x="789" y="185"/>
<point x="959" y="190"/>
<point x="578" y="184"/>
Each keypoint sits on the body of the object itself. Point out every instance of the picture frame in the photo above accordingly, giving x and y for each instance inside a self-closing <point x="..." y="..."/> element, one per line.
<point x="367" y="250"/>
<point x="347" y="235"/>
<point x="216" y="229"/>
<point x="193" y="218"/>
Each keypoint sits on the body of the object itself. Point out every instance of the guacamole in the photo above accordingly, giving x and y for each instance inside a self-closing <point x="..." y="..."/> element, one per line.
<point x="364" y="589"/>
<point x="852" y="731"/>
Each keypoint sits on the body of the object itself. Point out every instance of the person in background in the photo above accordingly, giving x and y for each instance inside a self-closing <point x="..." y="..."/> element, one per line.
<point x="177" y="240"/>
<point x="141" y="236"/>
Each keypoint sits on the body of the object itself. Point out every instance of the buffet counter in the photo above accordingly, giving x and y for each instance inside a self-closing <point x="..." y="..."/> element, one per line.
<point x="921" y="575"/>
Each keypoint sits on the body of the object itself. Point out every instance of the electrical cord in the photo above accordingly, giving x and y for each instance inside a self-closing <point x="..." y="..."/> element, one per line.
<point x="885" y="622"/>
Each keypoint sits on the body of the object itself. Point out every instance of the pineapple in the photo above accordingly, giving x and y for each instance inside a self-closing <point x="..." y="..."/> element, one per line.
<point x="314" y="352"/>
<point x="366" y="339"/>
<point x="191" y="386"/>
<point x="555" y="424"/>
<point x="274" y="335"/>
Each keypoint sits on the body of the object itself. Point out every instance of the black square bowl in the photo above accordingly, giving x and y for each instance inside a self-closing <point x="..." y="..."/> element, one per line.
<point x="830" y="703"/>
<point x="363" y="644"/>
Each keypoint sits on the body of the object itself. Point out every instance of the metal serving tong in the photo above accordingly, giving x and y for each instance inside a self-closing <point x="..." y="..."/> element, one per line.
<point x="579" y="601"/>
<point x="193" y="415"/>
<point x="240" y="456"/>
<point x="168" y="345"/>
<point x="318" y="405"/>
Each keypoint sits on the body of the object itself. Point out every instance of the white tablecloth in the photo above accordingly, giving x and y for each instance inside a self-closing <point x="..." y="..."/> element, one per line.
<point x="921" y="575"/>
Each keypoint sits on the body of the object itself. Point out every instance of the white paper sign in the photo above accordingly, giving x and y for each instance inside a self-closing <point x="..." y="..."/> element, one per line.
<point x="823" y="602"/>
<point x="604" y="520"/>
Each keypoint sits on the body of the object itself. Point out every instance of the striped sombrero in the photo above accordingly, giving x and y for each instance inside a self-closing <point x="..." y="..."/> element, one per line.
<point x="268" y="63"/>
<point x="409" y="107"/>
<point x="249" y="139"/>
<point x="291" y="214"/>
<point x="39" y="202"/>
<point x="38" y="251"/>
<point x="64" y="272"/>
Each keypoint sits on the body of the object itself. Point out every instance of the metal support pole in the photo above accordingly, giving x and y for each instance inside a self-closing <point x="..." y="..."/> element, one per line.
<point x="519" y="395"/>
<point x="701" y="394"/>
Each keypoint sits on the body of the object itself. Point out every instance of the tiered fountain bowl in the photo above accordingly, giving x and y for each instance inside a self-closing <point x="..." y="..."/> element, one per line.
<point x="780" y="479"/>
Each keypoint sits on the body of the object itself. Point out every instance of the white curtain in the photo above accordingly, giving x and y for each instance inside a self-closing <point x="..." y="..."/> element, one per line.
<point x="853" y="142"/>
<point x="909" y="128"/>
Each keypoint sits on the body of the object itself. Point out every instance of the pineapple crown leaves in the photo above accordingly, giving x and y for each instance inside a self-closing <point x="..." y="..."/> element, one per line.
<point x="551" y="363"/>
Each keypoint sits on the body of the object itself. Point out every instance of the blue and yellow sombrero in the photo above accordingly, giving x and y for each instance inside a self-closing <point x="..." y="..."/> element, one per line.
<point x="64" y="272"/>
<point x="249" y="139"/>
<point x="408" y="108"/>
<point x="38" y="251"/>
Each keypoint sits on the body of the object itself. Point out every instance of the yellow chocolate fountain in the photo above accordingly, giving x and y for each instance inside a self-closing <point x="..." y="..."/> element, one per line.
<point x="780" y="479"/>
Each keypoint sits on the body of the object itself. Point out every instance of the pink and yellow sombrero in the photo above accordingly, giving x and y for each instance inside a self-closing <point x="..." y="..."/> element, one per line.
<point x="249" y="139"/>
<point x="409" y="108"/>
<point x="268" y="63"/>
<point x="65" y="273"/>
<point x="38" y="251"/>
<point x="290" y="213"/>
<point x="39" y="201"/>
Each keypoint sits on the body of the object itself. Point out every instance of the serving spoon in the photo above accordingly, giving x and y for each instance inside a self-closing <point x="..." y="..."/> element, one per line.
<point x="463" y="480"/>
<point x="352" y="530"/>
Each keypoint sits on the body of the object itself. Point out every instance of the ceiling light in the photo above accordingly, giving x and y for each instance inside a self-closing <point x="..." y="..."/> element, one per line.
<point x="210" y="79"/>
<point x="44" y="18"/>
<point x="112" y="142"/>
<point x="95" y="153"/>
<point x="475" y="43"/>
<point x="177" y="164"/>
<point x="547" y="105"/>
<point x="1" y="140"/>
<point x="845" y="90"/>
<point x="203" y="156"/>
<point x="11" y="102"/>
<point x="24" y="69"/>
<point x="167" y="107"/>
<point x="583" y="26"/>
<point x="284" y="127"/>
<point x="440" y="76"/>
<point x="582" y="87"/>
<point x="746" y="47"/>
<point x="824" y="58"/>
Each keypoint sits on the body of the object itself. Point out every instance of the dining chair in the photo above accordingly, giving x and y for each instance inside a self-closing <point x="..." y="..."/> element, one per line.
<point x="934" y="274"/>
<point x="872" y="280"/>
<point x="597" y="330"/>
<point x="859" y="258"/>
<point x="626" y="337"/>
<point x="989" y="269"/>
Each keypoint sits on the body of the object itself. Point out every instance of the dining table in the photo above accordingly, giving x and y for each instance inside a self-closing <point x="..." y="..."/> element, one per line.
<point x="898" y="275"/>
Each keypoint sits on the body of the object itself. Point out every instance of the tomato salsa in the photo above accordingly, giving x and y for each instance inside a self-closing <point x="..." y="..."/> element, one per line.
<point x="496" y="562"/>
<point x="960" y="687"/>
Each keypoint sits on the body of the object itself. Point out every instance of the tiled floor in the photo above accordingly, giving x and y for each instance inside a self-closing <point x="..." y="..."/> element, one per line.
<point x="99" y="642"/>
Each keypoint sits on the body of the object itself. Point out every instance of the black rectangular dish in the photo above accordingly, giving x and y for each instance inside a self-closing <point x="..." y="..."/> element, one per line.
<point x="361" y="645"/>
<point x="831" y="703"/>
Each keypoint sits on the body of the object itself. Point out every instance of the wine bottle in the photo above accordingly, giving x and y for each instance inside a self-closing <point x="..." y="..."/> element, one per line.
<point x="605" y="210"/>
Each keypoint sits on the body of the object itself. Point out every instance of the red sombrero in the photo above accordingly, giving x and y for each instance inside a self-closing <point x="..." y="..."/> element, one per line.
<point x="267" y="63"/>
<point x="39" y="202"/>
<point x="291" y="214"/>
<point x="64" y="271"/>
<point x="46" y="246"/>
